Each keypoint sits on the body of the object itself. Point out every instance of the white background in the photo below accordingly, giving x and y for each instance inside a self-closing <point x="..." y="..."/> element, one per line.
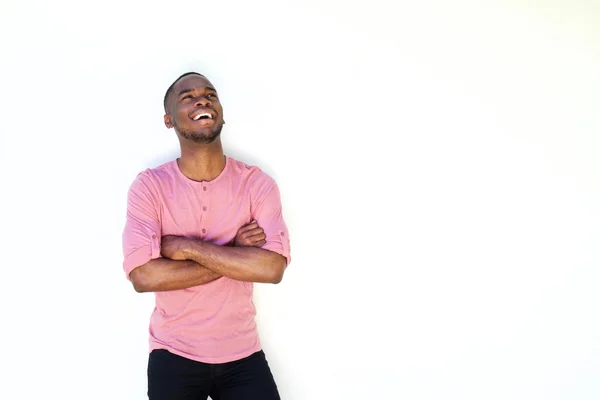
<point x="439" y="169"/>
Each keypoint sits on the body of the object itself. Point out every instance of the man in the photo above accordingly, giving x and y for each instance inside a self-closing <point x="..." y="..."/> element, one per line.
<point x="200" y="230"/>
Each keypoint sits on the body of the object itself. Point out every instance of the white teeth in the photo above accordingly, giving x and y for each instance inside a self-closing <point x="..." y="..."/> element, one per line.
<point x="197" y="117"/>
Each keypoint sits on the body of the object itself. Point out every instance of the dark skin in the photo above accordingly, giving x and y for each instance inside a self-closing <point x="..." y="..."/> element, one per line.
<point x="175" y="272"/>
<point x="188" y="262"/>
<point x="202" y="157"/>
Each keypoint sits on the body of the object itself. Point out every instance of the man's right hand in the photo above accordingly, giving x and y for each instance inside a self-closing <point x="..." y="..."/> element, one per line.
<point x="250" y="235"/>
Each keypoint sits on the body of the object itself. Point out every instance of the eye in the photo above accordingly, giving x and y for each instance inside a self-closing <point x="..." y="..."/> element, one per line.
<point x="187" y="96"/>
<point x="211" y="96"/>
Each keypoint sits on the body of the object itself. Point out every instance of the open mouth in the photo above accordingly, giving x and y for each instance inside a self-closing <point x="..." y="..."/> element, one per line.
<point x="205" y="114"/>
<point x="202" y="116"/>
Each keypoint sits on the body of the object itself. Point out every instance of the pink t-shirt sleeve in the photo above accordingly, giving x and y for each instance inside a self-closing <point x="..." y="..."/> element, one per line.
<point x="142" y="233"/>
<point x="268" y="214"/>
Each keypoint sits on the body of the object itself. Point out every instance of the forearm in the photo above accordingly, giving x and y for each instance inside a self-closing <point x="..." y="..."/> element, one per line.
<point x="249" y="264"/>
<point x="163" y="274"/>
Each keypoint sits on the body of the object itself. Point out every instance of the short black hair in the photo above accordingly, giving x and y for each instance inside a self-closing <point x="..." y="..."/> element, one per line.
<point x="170" y="89"/>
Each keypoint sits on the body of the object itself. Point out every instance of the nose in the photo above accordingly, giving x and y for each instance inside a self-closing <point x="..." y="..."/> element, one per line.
<point x="202" y="101"/>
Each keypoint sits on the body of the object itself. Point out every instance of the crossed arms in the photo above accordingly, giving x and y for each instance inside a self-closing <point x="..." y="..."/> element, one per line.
<point x="188" y="262"/>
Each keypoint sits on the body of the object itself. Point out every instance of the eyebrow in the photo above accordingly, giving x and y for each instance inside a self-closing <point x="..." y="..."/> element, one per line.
<point x="191" y="90"/>
<point x="185" y="91"/>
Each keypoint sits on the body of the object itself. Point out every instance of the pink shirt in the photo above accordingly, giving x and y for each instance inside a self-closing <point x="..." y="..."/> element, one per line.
<point x="214" y="322"/>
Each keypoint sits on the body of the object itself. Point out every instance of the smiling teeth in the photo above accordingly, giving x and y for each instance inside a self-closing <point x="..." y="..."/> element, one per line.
<point x="202" y="115"/>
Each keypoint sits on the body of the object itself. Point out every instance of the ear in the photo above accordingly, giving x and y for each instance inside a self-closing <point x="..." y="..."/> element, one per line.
<point x="168" y="122"/>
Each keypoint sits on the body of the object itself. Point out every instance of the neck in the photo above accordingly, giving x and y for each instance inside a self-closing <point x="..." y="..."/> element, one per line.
<point x="201" y="162"/>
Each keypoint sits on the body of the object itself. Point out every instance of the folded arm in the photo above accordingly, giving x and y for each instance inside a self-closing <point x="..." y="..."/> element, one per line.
<point x="162" y="274"/>
<point x="250" y="264"/>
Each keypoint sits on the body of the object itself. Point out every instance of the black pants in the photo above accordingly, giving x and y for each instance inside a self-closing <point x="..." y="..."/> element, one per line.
<point x="171" y="377"/>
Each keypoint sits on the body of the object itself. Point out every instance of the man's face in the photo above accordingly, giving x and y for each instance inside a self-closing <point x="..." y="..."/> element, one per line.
<point x="194" y="110"/>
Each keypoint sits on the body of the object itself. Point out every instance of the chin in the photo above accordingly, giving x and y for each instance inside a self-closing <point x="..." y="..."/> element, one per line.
<point x="200" y="137"/>
<point x="204" y="139"/>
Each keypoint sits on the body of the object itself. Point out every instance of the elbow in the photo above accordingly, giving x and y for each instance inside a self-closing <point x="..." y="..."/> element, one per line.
<point x="139" y="280"/>
<point x="138" y="287"/>
<point x="277" y="270"/>
<point x="276" y="278"/>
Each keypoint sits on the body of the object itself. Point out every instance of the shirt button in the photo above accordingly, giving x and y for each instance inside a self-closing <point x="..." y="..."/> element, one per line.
<point x="204" y="208"/>
<point x="282" y="234"/>
<point x="205" y="188"/>
<point x="203" y="230"/>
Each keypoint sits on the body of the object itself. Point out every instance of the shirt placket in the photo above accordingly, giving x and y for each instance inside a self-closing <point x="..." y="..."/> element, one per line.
<point x="203" y="209"/>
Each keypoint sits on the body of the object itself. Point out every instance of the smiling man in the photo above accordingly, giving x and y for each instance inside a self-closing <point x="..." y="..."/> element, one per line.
<point x="199" y="231"/>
